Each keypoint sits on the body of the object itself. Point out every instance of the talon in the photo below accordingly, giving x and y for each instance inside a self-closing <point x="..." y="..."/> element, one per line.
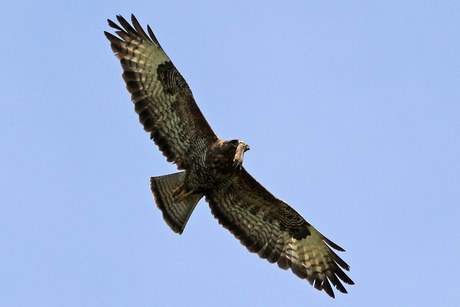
<point x="184" y="196"/>
<point x="177" y="190"/>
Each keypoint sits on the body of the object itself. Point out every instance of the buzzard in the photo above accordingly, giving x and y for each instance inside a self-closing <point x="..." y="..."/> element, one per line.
<point x="213" y="168"/>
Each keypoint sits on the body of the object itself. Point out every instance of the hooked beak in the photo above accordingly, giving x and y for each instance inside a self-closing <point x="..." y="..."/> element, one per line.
<point x="242" y="146"/>
<point x="239" y="154"/>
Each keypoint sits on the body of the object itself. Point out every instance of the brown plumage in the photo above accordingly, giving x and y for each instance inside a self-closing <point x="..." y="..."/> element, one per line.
<point x="213" y="168"/>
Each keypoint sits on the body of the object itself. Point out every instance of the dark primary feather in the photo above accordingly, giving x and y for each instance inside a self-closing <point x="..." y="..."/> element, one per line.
<point x="162" y="98"/>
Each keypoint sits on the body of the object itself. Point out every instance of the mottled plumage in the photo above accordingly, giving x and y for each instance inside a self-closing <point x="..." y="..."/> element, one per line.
<point x="213" y="168"/>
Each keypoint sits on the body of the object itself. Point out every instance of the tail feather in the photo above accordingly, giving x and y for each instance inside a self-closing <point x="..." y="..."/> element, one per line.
<point x="175" y="214"/>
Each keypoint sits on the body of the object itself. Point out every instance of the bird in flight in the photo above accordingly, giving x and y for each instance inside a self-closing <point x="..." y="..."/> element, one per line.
<point x="213" y="168"/>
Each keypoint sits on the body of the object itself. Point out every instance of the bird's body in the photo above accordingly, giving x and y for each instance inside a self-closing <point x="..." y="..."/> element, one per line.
<point x="213" y="168"/>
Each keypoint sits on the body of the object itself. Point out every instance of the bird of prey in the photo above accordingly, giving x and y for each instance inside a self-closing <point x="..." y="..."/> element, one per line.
<point x="213" y="168"/>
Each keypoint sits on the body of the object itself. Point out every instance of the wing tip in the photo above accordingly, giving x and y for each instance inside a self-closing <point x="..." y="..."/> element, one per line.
<point x="136" y="30"/>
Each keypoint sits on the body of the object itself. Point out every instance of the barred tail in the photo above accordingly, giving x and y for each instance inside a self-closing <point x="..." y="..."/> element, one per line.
<point x="175" y="214"/>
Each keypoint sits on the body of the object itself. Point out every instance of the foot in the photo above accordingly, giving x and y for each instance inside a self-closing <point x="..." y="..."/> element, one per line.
<point x="184" y="196"/>
<point x="177" y="190"/>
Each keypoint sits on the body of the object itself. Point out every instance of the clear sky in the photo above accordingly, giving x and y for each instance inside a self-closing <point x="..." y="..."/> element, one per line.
<point x="352" y="112"/>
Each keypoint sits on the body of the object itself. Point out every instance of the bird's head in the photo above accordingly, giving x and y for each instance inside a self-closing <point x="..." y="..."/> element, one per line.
<point x="240" y="148"/>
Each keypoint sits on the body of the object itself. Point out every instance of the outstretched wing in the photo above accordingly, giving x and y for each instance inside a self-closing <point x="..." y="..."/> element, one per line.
<point x="271" y="228"/>
<point x="161" y="96"/>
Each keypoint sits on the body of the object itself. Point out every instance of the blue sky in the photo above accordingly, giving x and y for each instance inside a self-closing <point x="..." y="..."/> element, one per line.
<point x="352" y="112"/>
